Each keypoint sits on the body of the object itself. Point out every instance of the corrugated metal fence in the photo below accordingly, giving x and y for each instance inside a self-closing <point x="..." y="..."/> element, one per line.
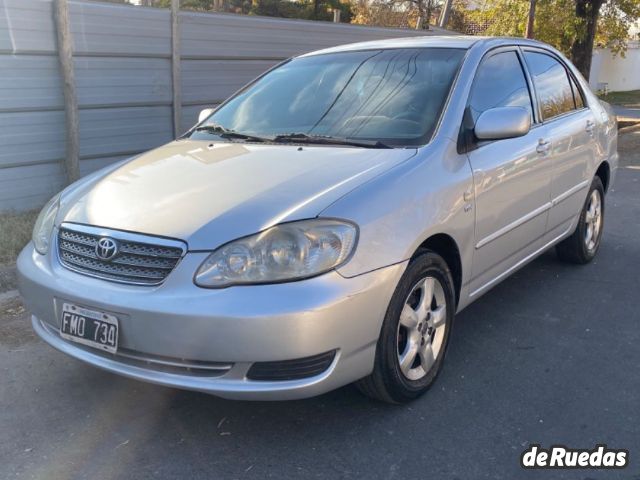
<point x="123" y="68"/>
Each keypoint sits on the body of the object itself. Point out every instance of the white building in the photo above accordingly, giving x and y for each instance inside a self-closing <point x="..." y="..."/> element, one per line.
<point x="616" y="73"/>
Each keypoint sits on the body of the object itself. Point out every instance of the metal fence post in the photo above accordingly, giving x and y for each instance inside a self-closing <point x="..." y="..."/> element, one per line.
<point x="175" y="67"/>
<point x="65" y="57"/>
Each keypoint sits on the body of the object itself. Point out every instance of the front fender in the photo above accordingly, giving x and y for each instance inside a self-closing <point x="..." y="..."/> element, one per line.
<point x="398" y="211"/>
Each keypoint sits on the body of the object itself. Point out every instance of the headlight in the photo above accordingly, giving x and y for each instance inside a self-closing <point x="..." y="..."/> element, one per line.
<point x="44" y="225"/>
<point x="286" y="252"/>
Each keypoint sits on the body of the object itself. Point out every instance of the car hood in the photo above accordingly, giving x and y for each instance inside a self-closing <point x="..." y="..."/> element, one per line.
<point x="210" y="193"/>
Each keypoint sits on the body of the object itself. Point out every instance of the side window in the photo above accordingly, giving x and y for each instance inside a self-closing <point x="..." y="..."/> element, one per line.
<point x="552" y="84"/>
<point x="577" y="95"/>
<point x="499" y="82"/>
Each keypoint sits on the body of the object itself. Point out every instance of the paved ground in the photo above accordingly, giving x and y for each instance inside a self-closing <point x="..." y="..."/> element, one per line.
<point x="629" y="143"/>
<point x="550" y="356"/>
<point x="626" y="112"/>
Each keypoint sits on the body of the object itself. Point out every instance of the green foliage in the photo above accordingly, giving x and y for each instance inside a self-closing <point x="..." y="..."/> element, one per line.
<point x="396" y="13"/>
<point x="616" y="18"/>
<point x="309" y="9"/>
<point x="502" y="17"/>
<point x="556" y="22"/>
<point x="277" y="8"/>
<point x="305" y="9"/>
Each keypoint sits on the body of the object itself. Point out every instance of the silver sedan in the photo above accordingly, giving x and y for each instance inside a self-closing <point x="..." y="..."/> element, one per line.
<point x="324" y="225"/>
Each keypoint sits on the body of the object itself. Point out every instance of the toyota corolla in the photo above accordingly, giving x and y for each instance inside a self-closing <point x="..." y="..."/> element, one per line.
<point x="324" y="225"/>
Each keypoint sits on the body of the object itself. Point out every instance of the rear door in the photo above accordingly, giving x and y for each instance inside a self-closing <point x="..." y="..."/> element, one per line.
<point x="571" y="126"/>
<point x="511" y="177"/>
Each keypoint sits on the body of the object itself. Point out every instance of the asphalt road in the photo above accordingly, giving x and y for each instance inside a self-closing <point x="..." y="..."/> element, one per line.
<point x="627" y="112"/>
<point x="550" y="356"/>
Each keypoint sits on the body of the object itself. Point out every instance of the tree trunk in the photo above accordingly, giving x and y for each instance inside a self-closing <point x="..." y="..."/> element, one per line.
<point x="421" y="14"/>
<point x="532" y="17"/>
<point x="587" y="12"/>
<point x="427" y="15"/>
<point x="446" y="11"/>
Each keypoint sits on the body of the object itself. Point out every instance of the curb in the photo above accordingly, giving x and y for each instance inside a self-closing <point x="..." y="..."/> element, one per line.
<point x="629" y="129"/>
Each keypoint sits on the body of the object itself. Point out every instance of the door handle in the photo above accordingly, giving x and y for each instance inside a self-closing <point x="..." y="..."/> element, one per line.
<point x="543" y="146"/>
<point x="590" y="127"/>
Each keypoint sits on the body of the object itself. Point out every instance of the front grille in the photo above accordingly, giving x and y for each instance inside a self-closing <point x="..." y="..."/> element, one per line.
<point x="140" y="260"/>
<point x="291" y="369"/>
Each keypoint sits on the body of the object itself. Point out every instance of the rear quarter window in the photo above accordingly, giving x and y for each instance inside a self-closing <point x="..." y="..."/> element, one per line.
<point x="577" y="94"/>
<point x="551" y="82"/>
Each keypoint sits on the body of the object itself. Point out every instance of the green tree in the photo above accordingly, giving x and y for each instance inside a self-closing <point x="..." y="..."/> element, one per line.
<point x="616" y="19"/>
<point x="396" y="13"/>
<point x="572" y="26"/>
<point x="306" y="9"/>
<point x="201" y="5"/>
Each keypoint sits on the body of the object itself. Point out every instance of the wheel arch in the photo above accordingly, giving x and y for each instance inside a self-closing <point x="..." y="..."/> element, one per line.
<point x="445" y="246"/>
<point x="604" y="173"/>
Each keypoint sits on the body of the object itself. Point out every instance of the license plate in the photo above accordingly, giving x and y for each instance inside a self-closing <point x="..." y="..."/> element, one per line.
<point x="89" y="327"/>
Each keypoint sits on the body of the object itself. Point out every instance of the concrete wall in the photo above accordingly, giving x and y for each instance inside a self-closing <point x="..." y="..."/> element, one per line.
<point x="123" y="68"/>
<point x="621" y="74"/>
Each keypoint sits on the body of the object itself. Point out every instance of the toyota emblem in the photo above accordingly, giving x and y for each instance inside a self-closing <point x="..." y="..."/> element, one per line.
<point x="106" y="249"/>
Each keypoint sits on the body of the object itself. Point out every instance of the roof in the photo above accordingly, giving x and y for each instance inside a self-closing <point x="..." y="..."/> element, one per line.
<point x="435" y="41"/>
<point x="428" y="41"/>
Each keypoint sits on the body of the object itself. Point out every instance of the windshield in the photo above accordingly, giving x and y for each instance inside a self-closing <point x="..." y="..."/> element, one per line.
<point x="393" y="96"/>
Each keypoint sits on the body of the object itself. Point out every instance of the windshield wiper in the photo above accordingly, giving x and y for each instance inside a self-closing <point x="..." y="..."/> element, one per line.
<point x="224" y="132"/>
<point x="327" y="140"/>
<point x="228" y="133"/>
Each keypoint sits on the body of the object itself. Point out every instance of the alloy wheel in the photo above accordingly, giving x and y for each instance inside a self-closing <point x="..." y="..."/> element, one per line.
<point x="593" y="220"/>
<point x="421" y="329"/>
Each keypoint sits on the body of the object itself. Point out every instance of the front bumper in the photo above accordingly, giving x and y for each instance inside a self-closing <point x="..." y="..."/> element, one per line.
<point x="227" y="330"/>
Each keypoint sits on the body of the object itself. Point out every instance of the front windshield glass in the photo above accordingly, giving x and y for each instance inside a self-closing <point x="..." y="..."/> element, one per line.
<point x="393" y="96"/>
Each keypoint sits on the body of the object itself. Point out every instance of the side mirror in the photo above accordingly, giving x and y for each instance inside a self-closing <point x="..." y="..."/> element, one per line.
<point x="503" y="122"/>
<point x="204" y="114"/>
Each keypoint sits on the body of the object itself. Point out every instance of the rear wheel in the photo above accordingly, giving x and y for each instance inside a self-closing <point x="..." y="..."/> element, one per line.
<point x="415" y="332"/>
<point x="582" y="246"/>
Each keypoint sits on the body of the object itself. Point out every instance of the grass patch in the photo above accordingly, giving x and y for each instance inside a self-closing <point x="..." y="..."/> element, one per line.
<point x="15" y="233"/>
<point x="628" y="99"/>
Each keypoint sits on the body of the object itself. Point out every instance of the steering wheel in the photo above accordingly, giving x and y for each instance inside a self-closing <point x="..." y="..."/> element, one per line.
<point x="412" y="114"/>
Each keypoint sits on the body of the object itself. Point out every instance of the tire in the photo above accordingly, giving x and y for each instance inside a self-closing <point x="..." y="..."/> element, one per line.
<point x="582" y="246"/>
<point x="425" y="327"/>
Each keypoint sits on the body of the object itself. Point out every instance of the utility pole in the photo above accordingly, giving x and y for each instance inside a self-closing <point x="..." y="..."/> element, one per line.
<point x="532" y="16"/>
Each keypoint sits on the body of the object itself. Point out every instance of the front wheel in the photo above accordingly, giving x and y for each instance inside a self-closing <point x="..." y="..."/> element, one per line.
<point x="415" y="332"/>
<point x="582" y="246"/>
